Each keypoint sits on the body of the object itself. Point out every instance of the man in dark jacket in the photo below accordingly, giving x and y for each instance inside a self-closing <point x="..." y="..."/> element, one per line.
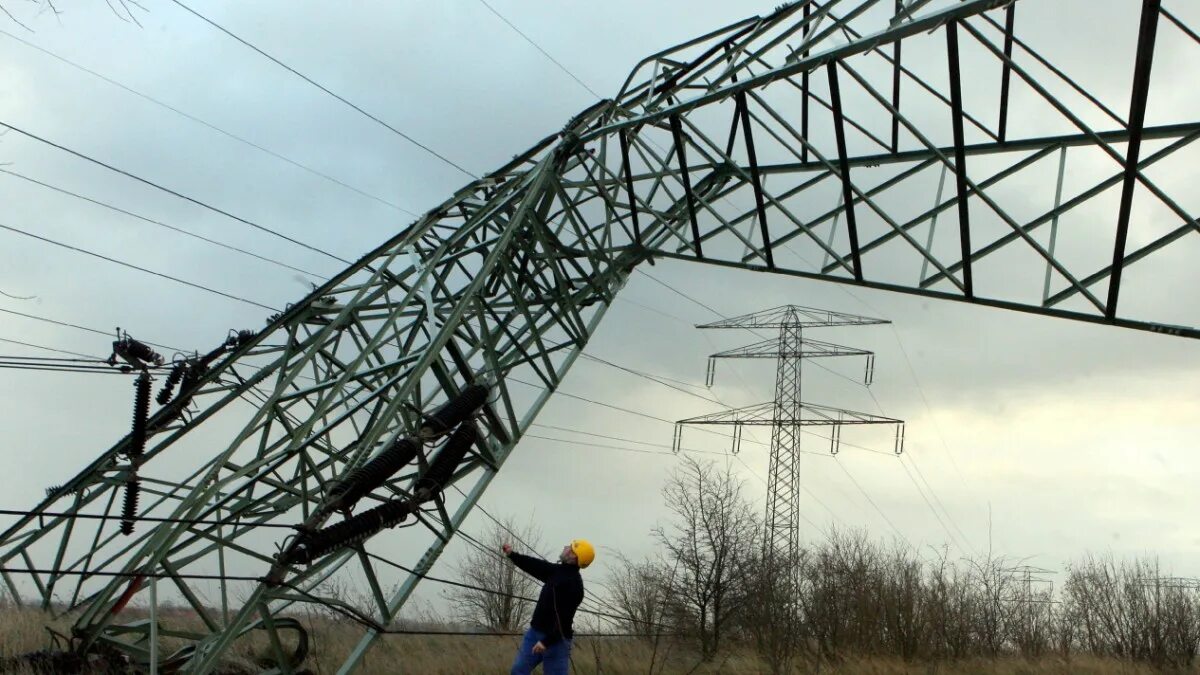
<point x="548" y="640"/>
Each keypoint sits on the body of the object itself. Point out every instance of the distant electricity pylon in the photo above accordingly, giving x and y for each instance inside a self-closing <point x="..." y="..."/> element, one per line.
<point x="788" y="415"/>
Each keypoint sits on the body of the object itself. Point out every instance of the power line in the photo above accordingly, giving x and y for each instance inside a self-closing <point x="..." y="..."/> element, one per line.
<point x="912" y="371"/>
<point x="722" y="316"/>
<point x="647" y="376"/>
<point x="128" y="575"/>
<point x="18" y="297"/>
<point x="925" y="401"/>
<point x="145" y="519"/>
<point x="159" y="223"/>
<point x="517" y="537"/>
<point x="878" y="510"/>
<point x="232" y="577"/>
<point x="840" y="465"/>
<point x="949" y="533"/>
<point x="912" y="459"/>
<point x="49" y="349"/>
<point x="640" y="373"/>
<point x="459" y="584"/>
<point x="173" y="193"/>
<point x="612" y="438"/>
<point x="131" y="266"/>
<point x="539" y="48"/>
<point x="47" y="359"/>
<point x="673" y="454"/>
<point x="314" y="83"/>
<point x="64" y="368"/>
<point x="708" y="431"/>
<point x="666" y="453"/>
<point x="106" y="333"/>
<point x="211" y="126"/>
<point x="693" y="451"/>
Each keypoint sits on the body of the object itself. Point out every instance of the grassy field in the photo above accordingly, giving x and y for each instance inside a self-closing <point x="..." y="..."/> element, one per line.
<point x="23" y="631"/>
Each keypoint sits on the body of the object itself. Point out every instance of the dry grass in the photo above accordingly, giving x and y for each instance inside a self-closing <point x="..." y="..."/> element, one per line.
<point x="23" y="631"/>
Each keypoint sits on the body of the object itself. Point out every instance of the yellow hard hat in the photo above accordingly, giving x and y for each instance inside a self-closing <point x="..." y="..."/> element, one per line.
<point x="583" y="551"/>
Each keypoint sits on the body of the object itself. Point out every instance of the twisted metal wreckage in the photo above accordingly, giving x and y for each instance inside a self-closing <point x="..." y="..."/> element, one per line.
<point x="806" y="142"/>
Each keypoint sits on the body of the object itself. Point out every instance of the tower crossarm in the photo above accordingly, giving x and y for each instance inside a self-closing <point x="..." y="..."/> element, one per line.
<point x="811" y="415"/>
<point x="809" y="349"/>
<point x="780" y="349"/>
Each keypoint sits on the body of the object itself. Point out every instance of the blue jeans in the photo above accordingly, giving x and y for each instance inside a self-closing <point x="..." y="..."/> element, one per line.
<point x="555" y="660"/>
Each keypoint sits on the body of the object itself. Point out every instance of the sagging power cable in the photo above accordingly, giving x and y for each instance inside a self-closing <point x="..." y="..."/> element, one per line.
<point x="223" y="132"/>
<point x="122" y="263"/>
<point x="325" y="89"/>
<point x="159" y="223"/>
<point x="174" y="193"/>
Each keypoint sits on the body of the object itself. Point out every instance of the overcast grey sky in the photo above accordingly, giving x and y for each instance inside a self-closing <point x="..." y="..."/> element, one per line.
<point x="1042" y="438"/>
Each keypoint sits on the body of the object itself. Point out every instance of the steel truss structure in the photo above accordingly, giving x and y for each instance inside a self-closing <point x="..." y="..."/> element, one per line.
<point x="806" y="142"/>
<point x="788" y="414"/>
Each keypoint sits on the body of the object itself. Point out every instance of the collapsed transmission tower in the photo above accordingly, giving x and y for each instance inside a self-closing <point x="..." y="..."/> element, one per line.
<point x="788" y="417"/>
<point x="804" y="142"/>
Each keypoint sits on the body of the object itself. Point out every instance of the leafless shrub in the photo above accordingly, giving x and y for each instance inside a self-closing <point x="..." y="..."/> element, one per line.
<point x="1130" y="610"/>
<point x="501" y="611"/>
<point x="638" y="590"/>
<point x="711" y="539"/>
<point x="122" y="9"/>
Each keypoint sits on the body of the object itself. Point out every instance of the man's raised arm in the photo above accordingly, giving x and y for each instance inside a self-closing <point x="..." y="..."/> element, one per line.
<point x="538" y="569"/>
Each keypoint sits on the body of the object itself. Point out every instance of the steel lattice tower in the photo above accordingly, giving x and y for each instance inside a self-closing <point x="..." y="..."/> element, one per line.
<point x="804" y="142"/>
<point x="787" y="416"/>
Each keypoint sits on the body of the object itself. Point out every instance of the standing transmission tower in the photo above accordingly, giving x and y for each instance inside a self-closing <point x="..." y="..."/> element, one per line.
<point x="788" y="415"/>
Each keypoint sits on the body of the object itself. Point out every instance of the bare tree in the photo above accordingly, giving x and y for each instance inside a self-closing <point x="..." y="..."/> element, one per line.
<point x="772" y="618"/>
<point x="712" y="537"/>
<point x="504" y="611"/>
<point x="122" y="9"/>
<point x="1130" y="610"/>
<point x="639" y="590"/>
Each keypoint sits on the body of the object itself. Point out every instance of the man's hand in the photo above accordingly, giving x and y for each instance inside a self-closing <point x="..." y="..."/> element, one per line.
<point x="539" y="648"/>
<point x="507" y="548"/>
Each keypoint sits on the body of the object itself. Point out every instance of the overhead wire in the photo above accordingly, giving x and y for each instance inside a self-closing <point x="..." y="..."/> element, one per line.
<point x="97" y="331"/>
<point x="138" y="268"/>
<point x="234" y="577"/>
<point x="18" y="297"/>
<point x="595" y="600"/>
<point x="159" y="223"/>
<point x="48" y="368"/>
<point x="146" y="519"/>
<point x="610" y="406"/>
<point x="588" y="604"/>
<point x="174" y="193"/>
<point x="49" y="349"/>
<point x="207" y="124"/>
<point x="532" y="549"/>
<point x="878" y="405"/>
<point x="911" y="457"/>
<point x="875" y="506"/>
<point x="325" y="89"/>
<point x="460" y="168"/>
<point x="649" y="377"/>
<point x="472" y="587"/>
<point x="538" y="47"/>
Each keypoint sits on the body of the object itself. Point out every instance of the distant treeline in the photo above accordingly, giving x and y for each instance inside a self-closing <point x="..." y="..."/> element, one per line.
<point x="850" y="595"/>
